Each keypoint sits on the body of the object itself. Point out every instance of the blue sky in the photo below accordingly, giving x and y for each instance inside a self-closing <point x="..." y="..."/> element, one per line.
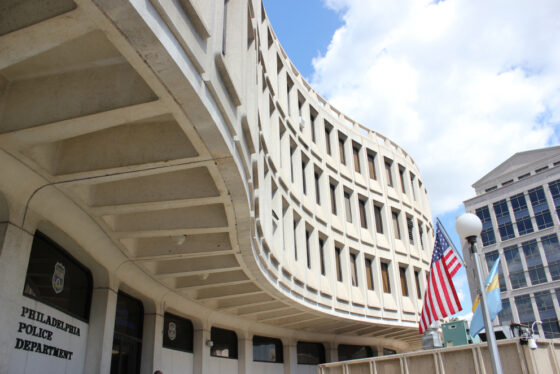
<point x="461" y="85"/>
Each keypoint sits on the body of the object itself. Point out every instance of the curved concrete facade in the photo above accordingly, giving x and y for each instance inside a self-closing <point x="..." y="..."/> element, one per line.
<point x="172" y="148"/>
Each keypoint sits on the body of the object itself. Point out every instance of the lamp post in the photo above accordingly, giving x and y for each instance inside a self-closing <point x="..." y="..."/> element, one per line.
<point x="468" y="227"/>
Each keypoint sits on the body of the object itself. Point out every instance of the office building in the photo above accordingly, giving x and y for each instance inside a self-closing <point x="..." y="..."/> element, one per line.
<point x="519" y="205"/>
<point x="175" y="196"/>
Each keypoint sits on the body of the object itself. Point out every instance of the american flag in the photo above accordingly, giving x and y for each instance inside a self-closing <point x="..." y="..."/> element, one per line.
<point x="440" y="298"/>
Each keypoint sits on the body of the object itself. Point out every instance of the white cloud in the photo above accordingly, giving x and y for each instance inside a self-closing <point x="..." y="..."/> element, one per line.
<point x="461" y="85"/>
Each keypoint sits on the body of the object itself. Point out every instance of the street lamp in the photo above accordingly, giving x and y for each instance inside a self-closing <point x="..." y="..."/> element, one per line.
<point x="468" y="227"/>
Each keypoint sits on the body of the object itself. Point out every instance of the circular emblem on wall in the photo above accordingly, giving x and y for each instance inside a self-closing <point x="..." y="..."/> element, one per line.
<point x="58" y="278"/>
<point x="172" y="331"/>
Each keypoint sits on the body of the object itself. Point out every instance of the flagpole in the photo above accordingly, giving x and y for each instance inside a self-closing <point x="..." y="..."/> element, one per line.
<point x="468" y="227"/>
<point x="444" y="231"/>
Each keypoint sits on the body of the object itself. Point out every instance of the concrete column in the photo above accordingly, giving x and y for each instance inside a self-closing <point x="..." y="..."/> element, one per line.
<point x="290" y="357"/>
<point x="152" y="342"/>
<point x="15" y="247"/>
<point x="100" y="331"/>
<point x="245" y="355"/>
<point x="201" y="351"/>
<point x="331" y="352"/>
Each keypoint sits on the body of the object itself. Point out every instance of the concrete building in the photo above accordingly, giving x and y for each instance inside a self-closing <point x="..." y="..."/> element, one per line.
<point x="519" y="205"/>
<point x="175" y="196"/>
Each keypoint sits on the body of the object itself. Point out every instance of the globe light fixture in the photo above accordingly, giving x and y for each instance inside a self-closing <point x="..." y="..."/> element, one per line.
<point x="469" y="227"/>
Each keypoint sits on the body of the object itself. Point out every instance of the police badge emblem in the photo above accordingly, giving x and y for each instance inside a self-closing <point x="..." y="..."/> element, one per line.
<point x="172" y="331"/>
<point x="58" y="278"/>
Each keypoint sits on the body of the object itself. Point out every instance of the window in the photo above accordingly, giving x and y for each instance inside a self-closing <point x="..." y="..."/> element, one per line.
<point x="303" y="179"/>
<point x="505" y="315"/>
<point x="401" y="176"/>
<point x="523" y="176"/>
<point x="301" y="102"/>
<point x="417" y="279"/>
<point x="547" y="314"/>
<point x="177" y="333"/>
<point x="341" y="154"/>
<point x="541" y="169"/>
<point x="322" y="255"/>
<point x="328" y="129"/>
<point x="333" y="198"/>
<point x="385" y="277"/>
<point x="363" y="219"/>
<point x="515" y="267"/>
<point x="353" y="269"/>
<point x="540" y="208"/>
<point x="312" y="118"/>
<point x="525" y="309"/>
<point x="225" y="26"/>
<point x="289" y="86"/>
<point x="371" y="165"/>
<point x="521" y="213"/>
<point x="225" y="343"/>
<point x="534" y="262"/>
<point x="487" y="235"/>
<point x="369" y="274"/>
<point x="356" y="153"/>
<point x="505" y="227"/>
<point x="543" y="219"/>
<point x="491" y="257"/>
<point x="55" y="278"/>
<point x="295" y="239"/>
<point x="554" y="188"/>
<point x="412" y="177"/>
<point x="396" y="226"/>
<point x="508" y="182"/>
<point x="292" y="153"/>
<point x="267" y="349"/>
<point x="378" y="218"/>
<point x="410" y="225"/>
<point x="353" y="352"/>
<point x="388" y="172"/>
<point x="387" y="352"/>
<point x="127" y="336"/>
<point x="421" y="234"/>
<point x="317" y="188"/>
<point x="307" y="248"/>
<point x="337" y="257"/>
<point x="347" y="206"/>
<point x="552" y="253"/>
<point x="310" y="353"/>
<point x="506" y="231"/>
<point x="404" y="284"/>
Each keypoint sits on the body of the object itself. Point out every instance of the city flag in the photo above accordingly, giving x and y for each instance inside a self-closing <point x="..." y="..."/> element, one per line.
<point x="493" y="298"/>
<point x="440" y="298"/>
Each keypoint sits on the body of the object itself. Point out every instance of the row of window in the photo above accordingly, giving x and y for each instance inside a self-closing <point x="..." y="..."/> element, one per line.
<point x="521" y="177"/>
<point x="56" y="279"/>
<point x="178" y="335"/>
<point x="353" y="260"/>
<point x="337" y="140"/>
<point x="372" y="214"/>
<point x="371" y="167"/>
<point x="544" y="303"/>
<point x="526" y="262"/>
<point x="525" y="220"/>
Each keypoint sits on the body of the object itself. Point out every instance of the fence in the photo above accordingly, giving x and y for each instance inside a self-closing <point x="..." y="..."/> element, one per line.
<point x="516" y="358"/>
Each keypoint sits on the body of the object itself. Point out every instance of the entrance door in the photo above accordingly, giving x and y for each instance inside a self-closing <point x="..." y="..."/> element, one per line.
<point x="127" y="339"/>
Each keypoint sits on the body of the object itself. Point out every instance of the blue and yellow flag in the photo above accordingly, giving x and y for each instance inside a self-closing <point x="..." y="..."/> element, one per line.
<point x="494" y="301"/>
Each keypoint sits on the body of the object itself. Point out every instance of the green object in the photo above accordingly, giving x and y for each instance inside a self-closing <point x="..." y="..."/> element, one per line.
<point x="455" y="333"/>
